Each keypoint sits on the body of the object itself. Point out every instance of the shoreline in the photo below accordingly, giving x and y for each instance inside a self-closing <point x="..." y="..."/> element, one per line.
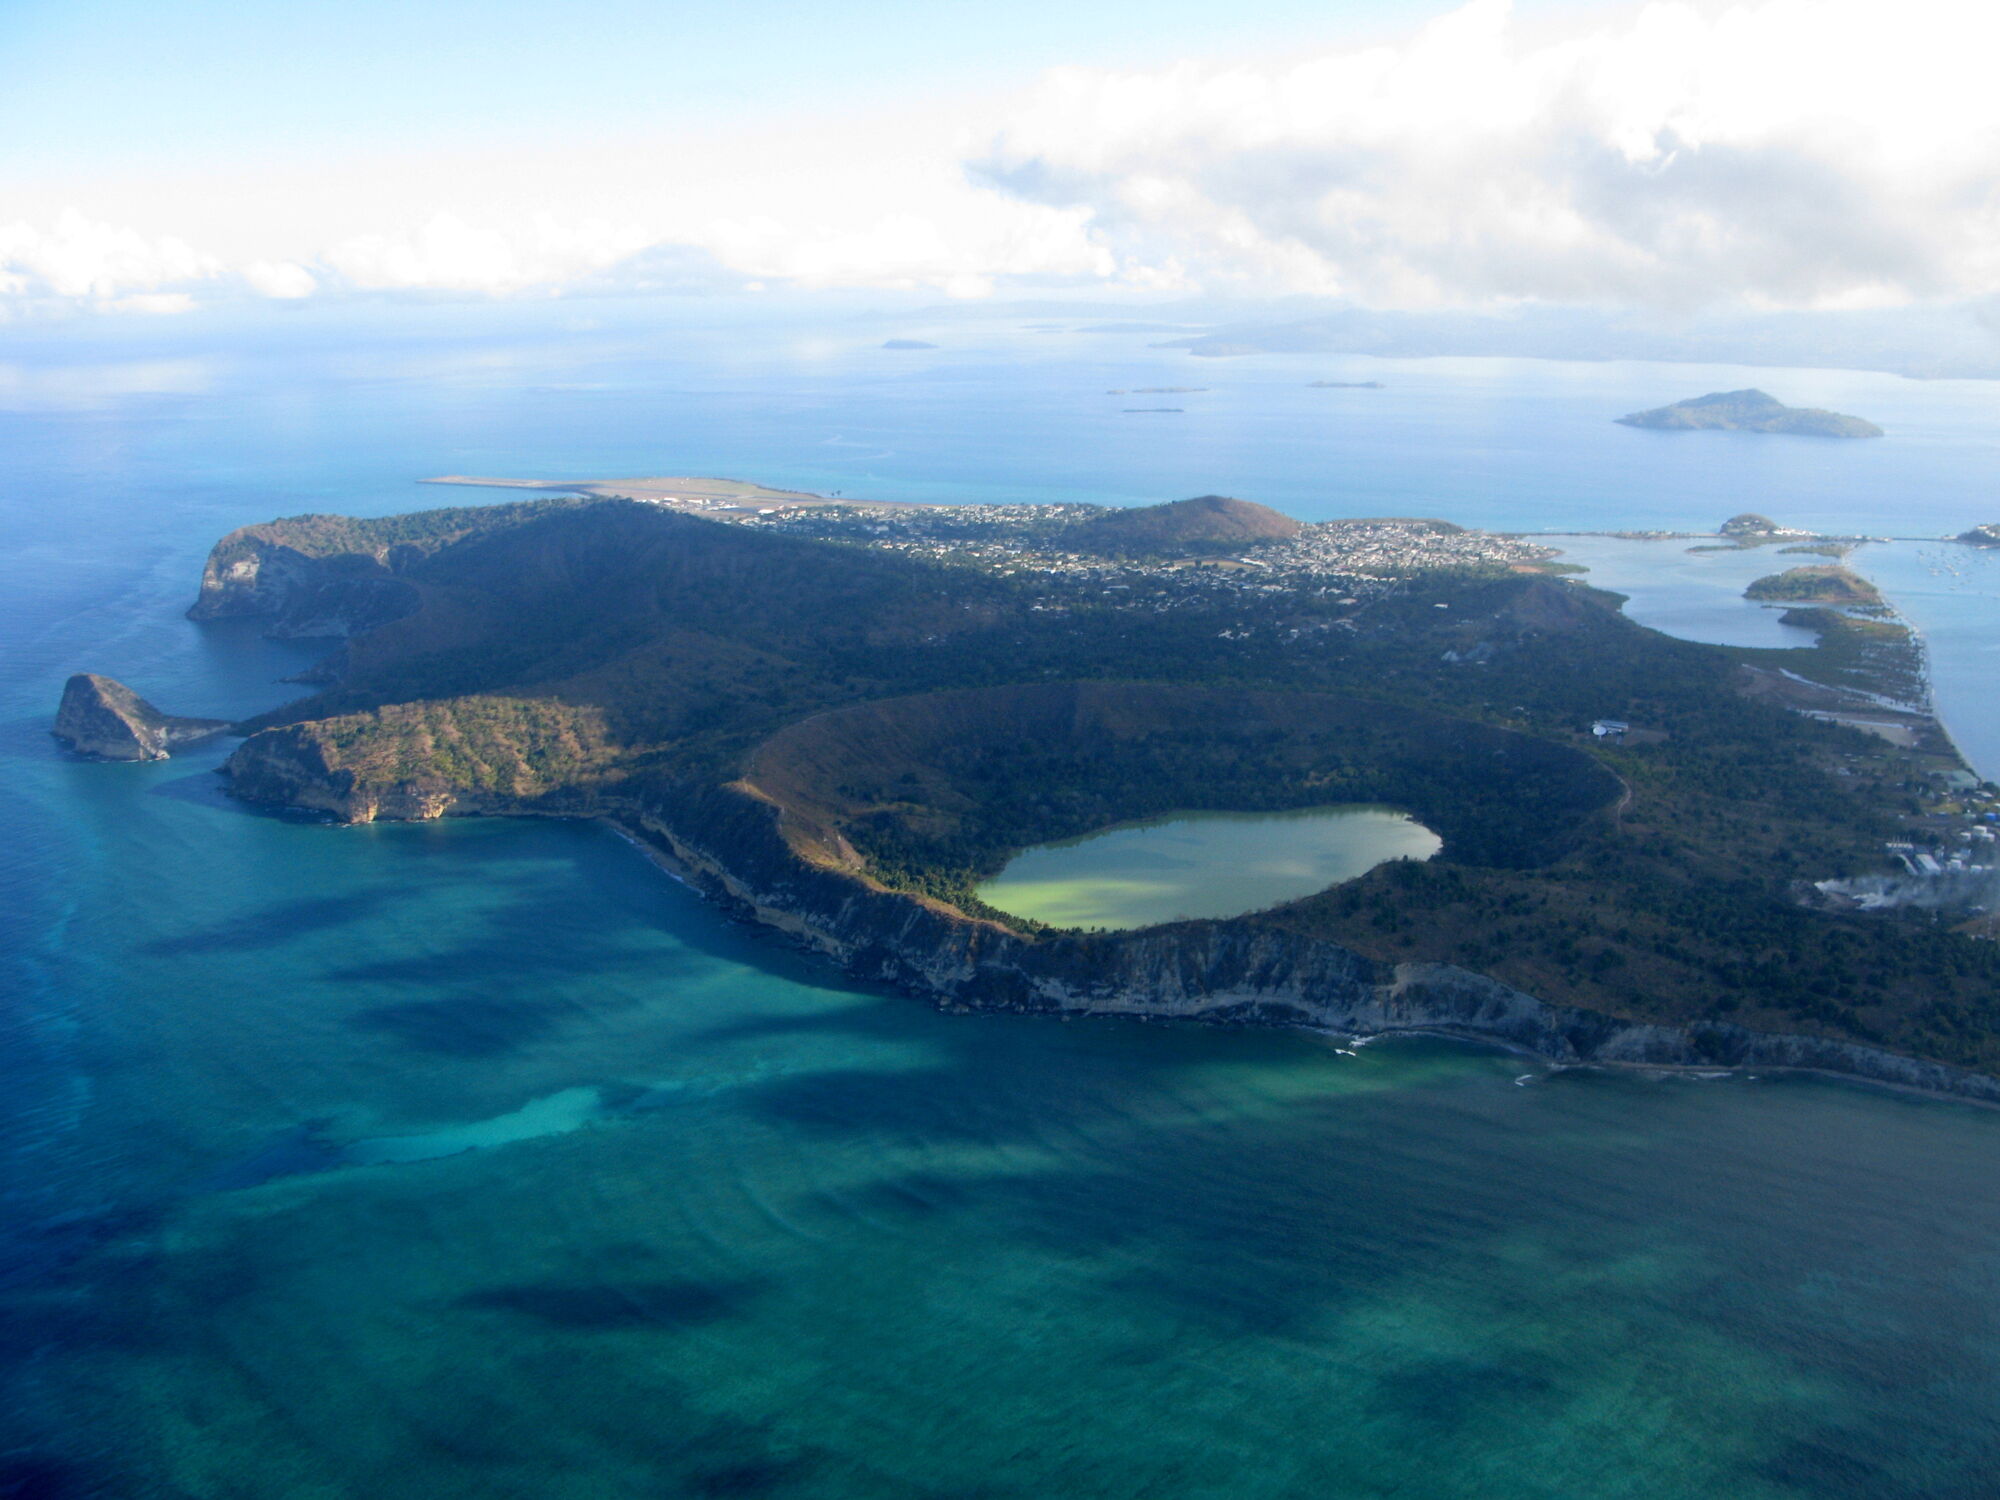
<point x="1982" y="1090"/>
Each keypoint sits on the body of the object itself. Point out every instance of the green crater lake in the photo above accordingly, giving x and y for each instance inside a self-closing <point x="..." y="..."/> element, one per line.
<point x="1202" y="864"/>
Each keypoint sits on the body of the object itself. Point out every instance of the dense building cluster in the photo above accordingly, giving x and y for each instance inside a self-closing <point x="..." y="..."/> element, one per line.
<point x="1043" y="539"/>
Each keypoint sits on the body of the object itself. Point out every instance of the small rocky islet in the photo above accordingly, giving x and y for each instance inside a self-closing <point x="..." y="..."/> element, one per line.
<point x="102" y="718"/>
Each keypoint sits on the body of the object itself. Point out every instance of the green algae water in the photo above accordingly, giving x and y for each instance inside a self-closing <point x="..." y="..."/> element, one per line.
<point x="480" y="1159"/>
<point x="1202" y="864"/>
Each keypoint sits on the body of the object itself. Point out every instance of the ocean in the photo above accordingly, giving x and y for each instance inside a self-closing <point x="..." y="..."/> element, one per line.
<point x="480" y="1158"/>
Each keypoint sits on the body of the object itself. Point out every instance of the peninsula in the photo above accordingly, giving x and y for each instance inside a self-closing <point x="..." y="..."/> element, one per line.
<point x="1750" y="411"/>
<point x="841" y="720"/>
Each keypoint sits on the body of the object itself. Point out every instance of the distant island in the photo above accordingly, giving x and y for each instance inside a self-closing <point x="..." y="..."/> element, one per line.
<point x="1161" y="390"/>
<point x="1814" y="584"/>
<point x="1982" y="536"/>
<point x="840" y="719"/>
<point x="1343" y="385"/>
<point x="1751" y="526"/>
<point x="907" y="344"/>
<point x="1750" y="411"/>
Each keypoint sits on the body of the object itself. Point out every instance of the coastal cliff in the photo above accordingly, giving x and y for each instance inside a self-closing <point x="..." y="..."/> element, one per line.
<point x="315" y="575"/>
<point x="103" y="718"/>
<point x="729" y="841"/>
<point x="297" y="595"/>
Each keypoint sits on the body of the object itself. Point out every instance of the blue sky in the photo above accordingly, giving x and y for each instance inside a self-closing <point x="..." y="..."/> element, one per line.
<point x="97" y="85"/>
<point x="1670" y="154"/>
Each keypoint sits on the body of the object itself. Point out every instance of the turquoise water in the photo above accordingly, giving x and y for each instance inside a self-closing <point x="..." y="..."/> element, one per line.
<point x="1201" y="865"/>
<point x="481" y="1159"/>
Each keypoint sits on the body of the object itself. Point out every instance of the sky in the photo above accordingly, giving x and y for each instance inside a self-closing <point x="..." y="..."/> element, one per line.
<point x="1678" y="154"/>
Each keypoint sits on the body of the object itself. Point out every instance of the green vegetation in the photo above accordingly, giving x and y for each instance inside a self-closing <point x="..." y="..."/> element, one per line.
<point x="611" y="653"/>
<point x="376" y="536"/>
<point x="1815" y="583"/>
<point x="503" y="747"/>
<point x="937" y="791"/>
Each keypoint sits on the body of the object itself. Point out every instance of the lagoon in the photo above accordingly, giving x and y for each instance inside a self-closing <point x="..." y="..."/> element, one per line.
<point x="1202" y="864"/>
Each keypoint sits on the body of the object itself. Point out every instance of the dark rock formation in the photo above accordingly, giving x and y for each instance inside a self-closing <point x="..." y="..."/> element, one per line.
<point x="300" y="596"/>
<point x="1750" y="411"/>
<point x="106" y="719"/>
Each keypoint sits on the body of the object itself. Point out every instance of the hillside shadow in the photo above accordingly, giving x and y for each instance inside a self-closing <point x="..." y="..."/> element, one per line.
<point x="467" y="1026"/>
<point x="281" y="922"/>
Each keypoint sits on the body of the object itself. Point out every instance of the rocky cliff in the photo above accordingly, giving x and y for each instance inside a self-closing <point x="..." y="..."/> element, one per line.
<point x="299" y="595"/>
<point x="104" y="718"/>
<point x="731" y="842"/>
<point x="321" y="575"/>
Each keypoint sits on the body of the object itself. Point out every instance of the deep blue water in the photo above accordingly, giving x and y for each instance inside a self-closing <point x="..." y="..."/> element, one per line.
<point x="481" y="1159"/>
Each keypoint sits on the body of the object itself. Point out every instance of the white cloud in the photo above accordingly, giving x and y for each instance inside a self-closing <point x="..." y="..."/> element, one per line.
<point x="80" y="258"/>
<point x="1825" y="153"/>
<point x="1775" y="152"/>
<point x="448" y="254"/>
<point x="284" y="280"/>
<point x="963" y="255"/>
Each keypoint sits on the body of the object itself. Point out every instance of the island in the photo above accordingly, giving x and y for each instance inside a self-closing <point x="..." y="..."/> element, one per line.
<point x="907" y="344"/>
<point x="840" y="721"/>
<point x="1749" y="526"/>
<point x="1982" y="536"/>
<point x="1343" y="385"/>
<point x="1750" y="411"/>
<point x="1814" y="584"/>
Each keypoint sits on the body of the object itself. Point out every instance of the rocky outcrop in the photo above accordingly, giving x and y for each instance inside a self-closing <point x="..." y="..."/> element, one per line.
<point x="731" y="843"/>
<point x="291" y="768"/>
<point x="300" y="596"/>
<point x="104" y="718"/>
